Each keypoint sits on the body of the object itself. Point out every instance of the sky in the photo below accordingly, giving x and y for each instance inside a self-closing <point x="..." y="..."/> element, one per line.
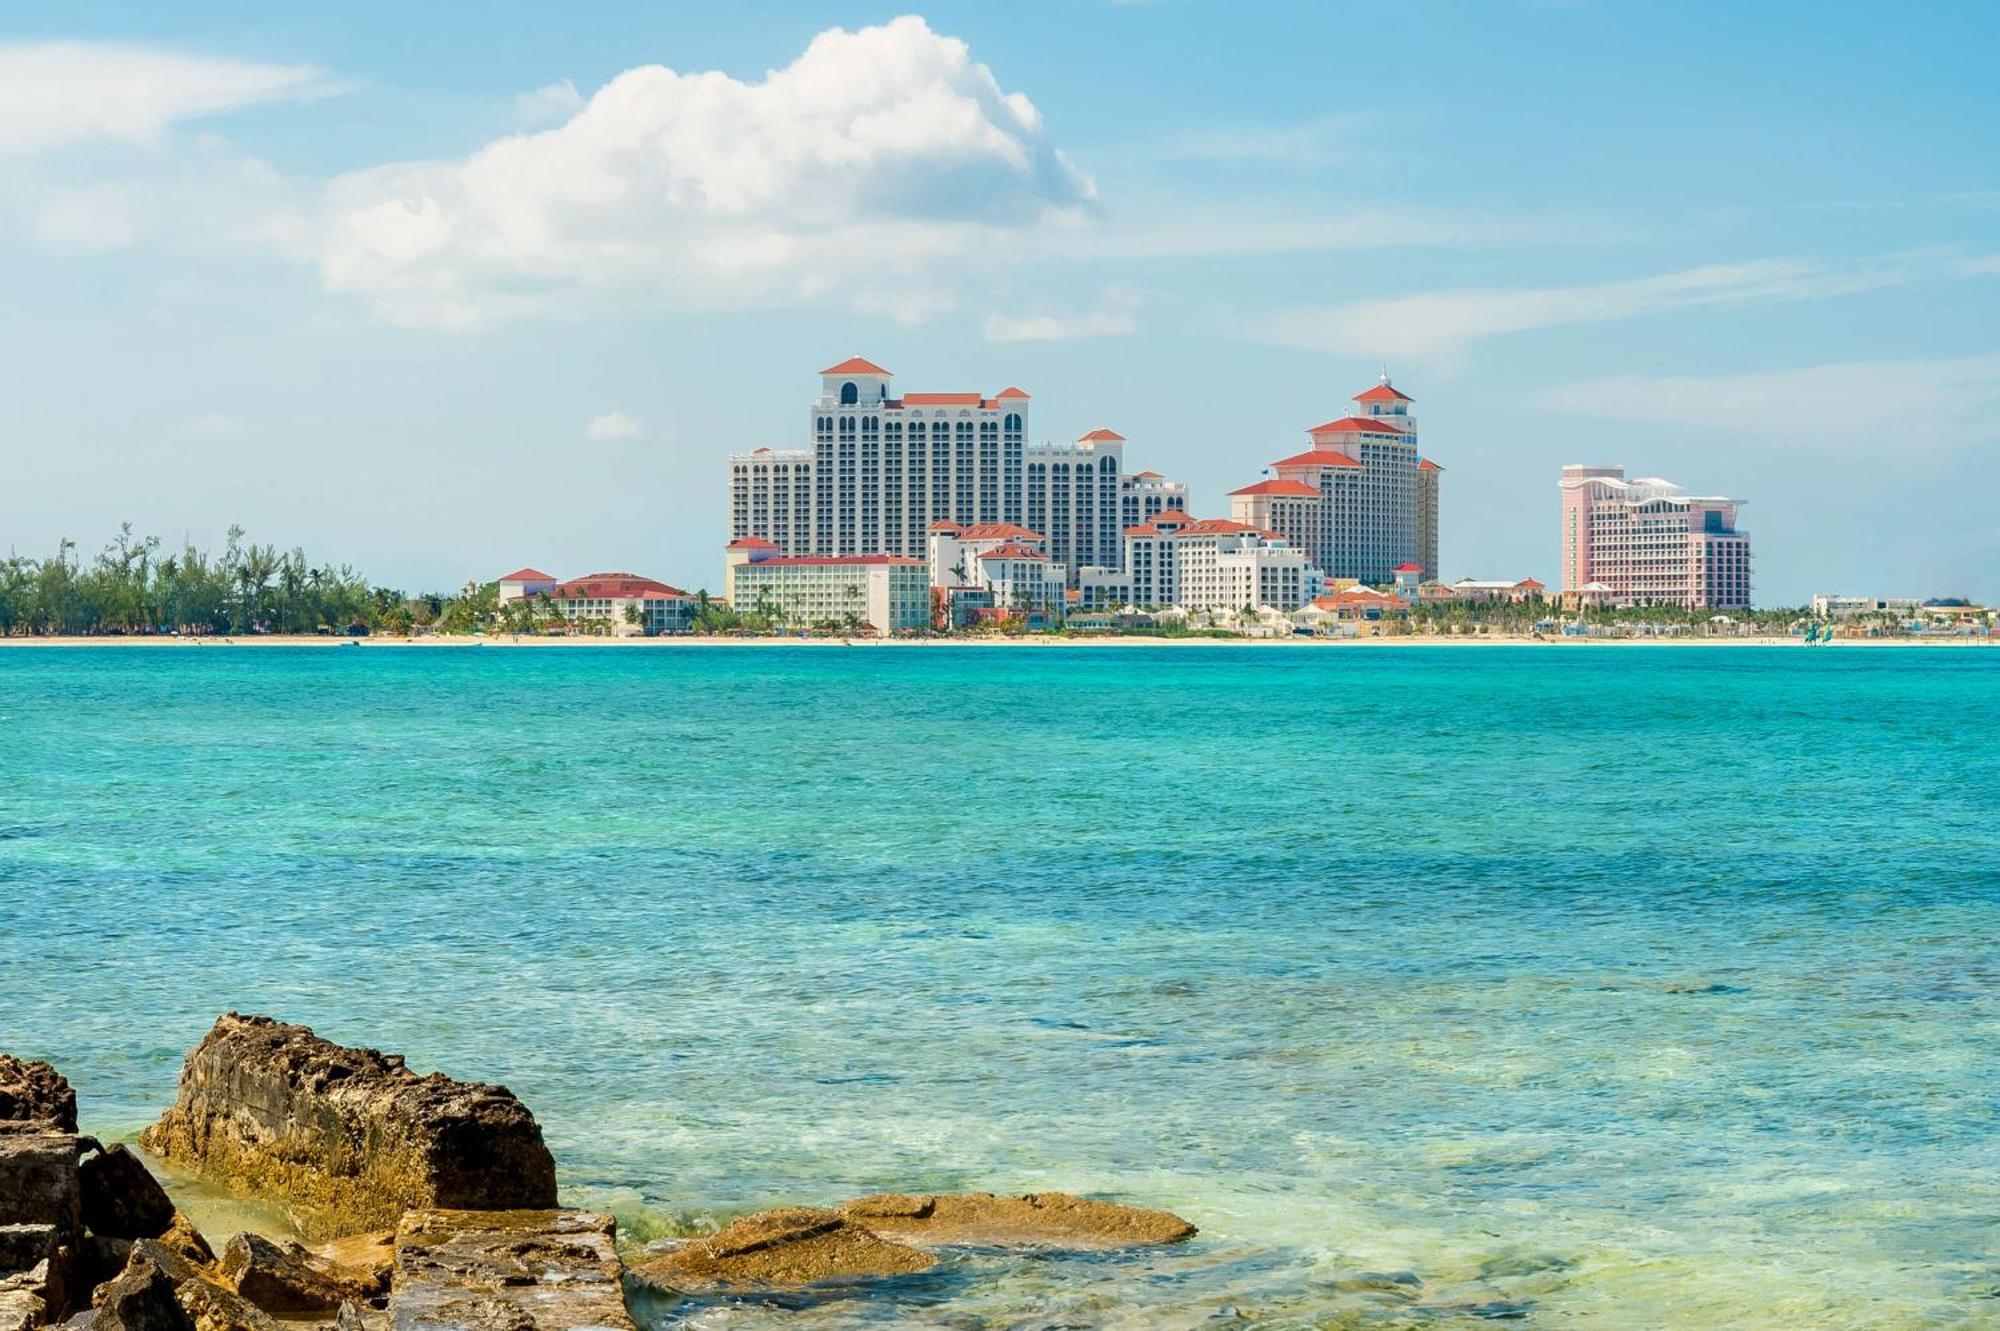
<point x="442" y="290"/>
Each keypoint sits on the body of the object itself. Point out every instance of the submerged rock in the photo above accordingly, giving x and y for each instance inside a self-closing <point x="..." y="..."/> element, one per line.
<point x="794" y="1245"/>
<point x="288" y="1279"/>
<point x="351" y="1137"/>
<point x="1054" y="1219"/>
<point x="531" y="1270"/>
<point x="365" y="1258"/>
<point x="35" y="1096"/>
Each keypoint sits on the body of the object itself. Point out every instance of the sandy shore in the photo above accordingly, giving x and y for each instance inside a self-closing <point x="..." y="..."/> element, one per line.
<point x="920" y="644"/>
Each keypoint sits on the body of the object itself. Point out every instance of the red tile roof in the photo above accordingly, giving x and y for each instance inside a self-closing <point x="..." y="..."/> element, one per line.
<point x="1278" y="487"/>
<point x="1317" y="457"/>
<point x="998" y="531"/>
<point x="1425" y="464"/>
<point x="854" y="365"/>
<point x="1356" y="425"/>
<point x="528" y="575"/>
<point x="611" y="587"/>
<point x="1409" y="568"/>
<point x="1145" y="475"/>
<point x="1530" y="582"/>
<point x="1382" y="392"/>
<point x="1010" y="392"/>
<point x="751" y="543"/>
<point x="943" y="399"/>
<point x="1215" y="527"/>
<point x="1013" y="550"/>
<point x="942" y="524"/>
<point x="1101" y="434"/>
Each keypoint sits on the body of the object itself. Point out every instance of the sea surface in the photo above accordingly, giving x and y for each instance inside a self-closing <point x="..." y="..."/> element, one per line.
<point x="1629" y="987"/>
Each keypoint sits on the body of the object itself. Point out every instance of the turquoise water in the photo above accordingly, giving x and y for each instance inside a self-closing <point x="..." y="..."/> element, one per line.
<point x="1624" y="987"/>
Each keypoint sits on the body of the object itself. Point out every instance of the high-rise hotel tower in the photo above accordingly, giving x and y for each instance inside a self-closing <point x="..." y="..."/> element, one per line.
<point x="883" y="468"/>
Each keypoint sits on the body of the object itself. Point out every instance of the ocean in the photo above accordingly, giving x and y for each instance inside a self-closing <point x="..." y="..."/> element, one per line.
<point x="1626" y="987"/>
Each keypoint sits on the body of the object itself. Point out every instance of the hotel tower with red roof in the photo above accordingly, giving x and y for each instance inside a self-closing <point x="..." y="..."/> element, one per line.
<point x="1361" y="499"/>
<point x="884" y="467"/>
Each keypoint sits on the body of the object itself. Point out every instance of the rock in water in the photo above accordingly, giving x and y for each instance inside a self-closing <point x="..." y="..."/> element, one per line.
<point x="121" y="1198"/>
<point x="507" y="1271"/>
<point x="35" y="1094"/>
<point x="350" y="1137"/>
<point x="794" y="1245"/>
<point x="140" y="1299"/>
<point x="288" y="1280"/>
<point x="1052" y="1219"/>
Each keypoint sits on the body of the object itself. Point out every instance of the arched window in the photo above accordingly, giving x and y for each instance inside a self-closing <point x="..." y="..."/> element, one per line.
<point x="849" y="394"/>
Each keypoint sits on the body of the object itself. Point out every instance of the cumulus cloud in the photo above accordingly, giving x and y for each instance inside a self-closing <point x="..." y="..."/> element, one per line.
<point x="873" y="155"/>
<point x="548" y="105"/>
<point x="612" y="425"/>
<point x="60" y="94"/>
<point x="1443" y="323"/>
<point x="1841" y="404"/>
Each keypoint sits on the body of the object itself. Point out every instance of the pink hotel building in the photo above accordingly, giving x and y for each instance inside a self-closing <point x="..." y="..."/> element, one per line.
<point x="1649" y="542"/>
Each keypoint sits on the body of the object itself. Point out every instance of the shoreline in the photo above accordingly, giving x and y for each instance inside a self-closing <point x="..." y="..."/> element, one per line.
<point x="445" y="642"/>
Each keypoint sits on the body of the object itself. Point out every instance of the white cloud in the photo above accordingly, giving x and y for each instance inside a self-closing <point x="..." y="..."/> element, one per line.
<point x="59" y="94"/>
<point x="1114" y="319"/>
<point x="1981" y="266"/>
<point x="871" y="158"/>
<point x="1954" y="402"/>
<point x="547" y="105"/>
<point x="1442" y="323"/>
<point x="612" y="425"/>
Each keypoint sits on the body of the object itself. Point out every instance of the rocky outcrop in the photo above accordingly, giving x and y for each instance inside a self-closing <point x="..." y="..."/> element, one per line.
<point x="794" y="1245"/>
<point x="350" y="1137"/>
<point x="140" y="1299"/>
<point x="41" y="1222"/>
<point x="34" y="1097"/>
<point x="121" y="1199"/>
<point x="1047" y="1219"/>
<point x="288" y="1280"/>
<point x="538" y="1270"/>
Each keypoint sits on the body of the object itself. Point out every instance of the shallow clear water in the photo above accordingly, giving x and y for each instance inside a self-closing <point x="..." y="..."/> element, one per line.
<point x="1632" y="987"/>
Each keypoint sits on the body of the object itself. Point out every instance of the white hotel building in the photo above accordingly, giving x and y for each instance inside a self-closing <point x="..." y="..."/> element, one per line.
<point x="1212" y="564"/>
<point x="882" y="468"/>
<point x="885" y="593"/>
<point x="1649" y="542"/>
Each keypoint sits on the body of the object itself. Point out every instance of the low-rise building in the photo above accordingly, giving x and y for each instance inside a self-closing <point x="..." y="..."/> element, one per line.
<point x="1831" y="605"/>
<point x="1475" y="591"/>
<point x="857" y="593"/>
<point x="524" y="582"/>
<point x="628" y="604"/>
<point x="1206" y="564"/>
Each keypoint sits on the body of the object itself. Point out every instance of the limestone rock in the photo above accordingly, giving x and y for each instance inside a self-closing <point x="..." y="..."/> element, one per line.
<point x="288" y="1280"/>
<point x="185" y="1241"/>
<point x="1053" y="1219"/>
<point x="20" y="1310"/>
<point x="793" y="1245"/>
<point x="532" y="1270"/>
<point x="121" y="1198"/>
<point x="351" y="1137"/>
<point x="213" y="1308"/>
<point x="366" y="1258"/>
<point x="38" y="1181"/>
<point x="140" y="1299"/>
<point x="35" y="1093"/>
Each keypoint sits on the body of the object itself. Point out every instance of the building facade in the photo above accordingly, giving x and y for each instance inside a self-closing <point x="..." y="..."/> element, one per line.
<point x="1209" y="564"/>
<point x="884" y="467"/>
<point x="1648" y="542"/>
<point x="879" y="592"/>
<point x="1360" y="500"/>
<point x="624" y="604"/>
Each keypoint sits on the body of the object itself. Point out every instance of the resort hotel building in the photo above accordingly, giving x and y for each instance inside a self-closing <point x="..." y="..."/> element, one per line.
<point x="1649" y="542"/>
<point x="884" y="466"/>
<point x="878" y="593"/>
<point x="625" y="604"/>
<point x="1360" y="500"/>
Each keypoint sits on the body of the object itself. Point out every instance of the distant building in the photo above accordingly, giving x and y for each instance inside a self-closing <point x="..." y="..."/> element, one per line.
<point x="1360" y="500"/>
<point x="630" y="604"/>
<point x="1004" y="559"/>
<point x="1474" y="591"/>
<point x="1834" y="606"/>
<point x="884" y="466"/>
<point x="1213" y="564"/>
<point x="1649" y="542"/>
<point x="524" y="582"/>
<point x="873" y="592"/>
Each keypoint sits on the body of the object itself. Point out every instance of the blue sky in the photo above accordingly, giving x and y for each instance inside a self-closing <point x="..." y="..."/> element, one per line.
<point x="441" y="290"/>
